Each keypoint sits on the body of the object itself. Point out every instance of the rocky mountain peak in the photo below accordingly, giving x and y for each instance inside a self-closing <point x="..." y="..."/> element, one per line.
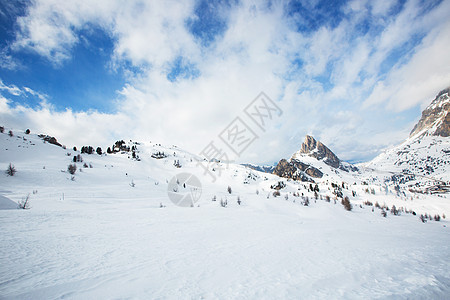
<point x="298" y="168"/>
<point x="436" y="117"/>
<point x="319" y="151"/>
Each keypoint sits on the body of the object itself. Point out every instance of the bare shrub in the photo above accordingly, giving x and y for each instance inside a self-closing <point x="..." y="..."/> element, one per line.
<point x="11" y="170"/>
<point x="72" y="168"/>
<point x="346" y="203"/>
<point x="423" y="218"/>
<point x="223" y="203"/>
<point x="395" y="211"/>
<point x="25" y="202"/>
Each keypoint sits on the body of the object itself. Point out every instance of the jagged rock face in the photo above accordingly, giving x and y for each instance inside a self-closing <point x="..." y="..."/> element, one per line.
<point x="319" y="151"/>
<point x="296" y="170"/>
<point x="436" y="117"/>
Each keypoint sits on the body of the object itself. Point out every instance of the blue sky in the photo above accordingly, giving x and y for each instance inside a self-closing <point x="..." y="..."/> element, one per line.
<point x="355" y="74"/>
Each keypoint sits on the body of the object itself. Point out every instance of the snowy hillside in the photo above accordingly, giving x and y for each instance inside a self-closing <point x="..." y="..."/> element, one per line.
<point x="422" y="162"/>
<point x="111" y="231"/>
<point x="424" y="156"/>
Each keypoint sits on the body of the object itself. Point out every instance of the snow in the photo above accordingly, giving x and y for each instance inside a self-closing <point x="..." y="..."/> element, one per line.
<point x="98" y="237"/>
<point x="6" y="203"/>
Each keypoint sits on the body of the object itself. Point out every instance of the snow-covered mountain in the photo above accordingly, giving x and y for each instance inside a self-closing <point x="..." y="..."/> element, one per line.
<point x="264" y="169"/>
<point x="105" y="226"/>
<point x="422" y="161"/>
<point x="435" y="118"/>
<point x="312" y="162"/>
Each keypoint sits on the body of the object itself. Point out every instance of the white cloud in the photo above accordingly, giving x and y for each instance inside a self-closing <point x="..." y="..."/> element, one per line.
<point x="416" y="82"/>
<point x="254" y="54"/>
<point x="12" y="89"/>
<point x="68" y="127"/>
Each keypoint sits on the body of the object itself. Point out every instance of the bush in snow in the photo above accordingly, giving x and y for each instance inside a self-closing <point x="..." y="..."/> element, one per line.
<point x="99" y="151"/>
<point x="214" y="198"/>
<point x="346" y="203"/>
<point x="2" y="129"/>
<point x="280" y="185"/>
<point x="10" y="133"/>
<point x="239" y="200"/>
<point x="27" y="131"/>
<point x="276" y="193"/>
<point x="25" y="202"/>
<point x="422" y="218"/>
<point x="11" y="170"/>
<point x="395" y="211"/>
<point x="132" y="184"/>
<point x="223" y="203"/>
<point x="72" y="168"/>
<point x="383" y="213"/>
<point x="437" y="217"/>
<point x="229" y="189"/>
<point x="305" y="201"/>
<point x="327" y="198"/>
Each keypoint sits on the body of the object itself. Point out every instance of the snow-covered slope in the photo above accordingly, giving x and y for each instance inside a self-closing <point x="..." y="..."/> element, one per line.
<point x="111" y="231"/>
<point x="424" y="156"/>
<point x="422" y="162"/>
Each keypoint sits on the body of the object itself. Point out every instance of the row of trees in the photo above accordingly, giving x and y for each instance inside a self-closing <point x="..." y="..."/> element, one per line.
<point x="89" y="150"/>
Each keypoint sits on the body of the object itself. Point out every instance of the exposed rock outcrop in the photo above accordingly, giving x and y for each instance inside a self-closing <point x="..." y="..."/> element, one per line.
<point x="50" y="139"/>
<point x="319" y="151"/>
<point x="296" y="170"/>
<point x="436" y="117"/>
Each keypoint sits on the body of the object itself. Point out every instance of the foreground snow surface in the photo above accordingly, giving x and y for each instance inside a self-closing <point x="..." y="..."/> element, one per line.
<point x="273" y="249"/>
<point x="97" y="237"/>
